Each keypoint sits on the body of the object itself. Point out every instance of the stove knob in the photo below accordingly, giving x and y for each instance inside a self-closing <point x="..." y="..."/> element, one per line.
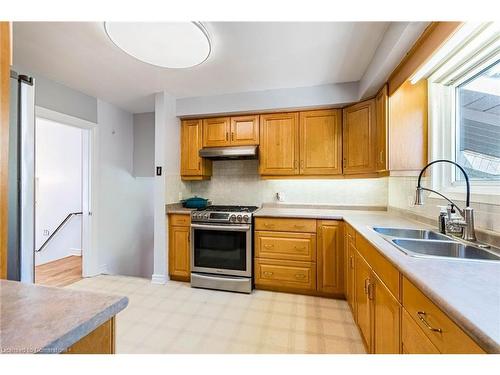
<point x="239" y="217"/>
<point x="232" y="217"/>
<point x="245" y="218"/>
<point x="206" y="216"/>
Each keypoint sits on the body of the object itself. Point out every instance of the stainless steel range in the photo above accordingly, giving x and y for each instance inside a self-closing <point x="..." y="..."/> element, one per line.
<point x="221" y="248"/>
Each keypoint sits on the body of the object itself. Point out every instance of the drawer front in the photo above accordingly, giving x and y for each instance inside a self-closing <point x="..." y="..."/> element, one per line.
<point x="275" y="273"/>
<point x="350" y="232"/>
<point x="413" y="339"/>
<point x="285" y="225"/>
<point x="441" y="330"/>
<point x="382" y="267"/>
<point x="180" y="220"/>
<point x="287" y="246"/>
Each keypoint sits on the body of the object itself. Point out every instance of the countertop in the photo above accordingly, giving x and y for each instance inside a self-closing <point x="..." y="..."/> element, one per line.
<point x="176" y="208"/>
<point x="468" y="291"/>
<point x="39" y="319"/>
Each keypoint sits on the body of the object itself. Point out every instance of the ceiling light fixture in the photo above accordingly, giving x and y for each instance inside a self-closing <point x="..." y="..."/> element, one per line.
<point x="163" y="44"/>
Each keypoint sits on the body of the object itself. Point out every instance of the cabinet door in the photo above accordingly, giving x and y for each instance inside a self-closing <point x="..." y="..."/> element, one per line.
<point x="359" y="138"/>
<point x="350" y="278"/>
<point x="320" y="142"/>
<point x="381" y="102"/>
<point x="386" y="320"/>
<point x="191" y="135"/>
<point x="216" y="132"/>
<point x="244" y="130"/>
<point x="279" y="144"/>
<point x="363" y="303"/>
<point x="330" y="257"/>
<point x="413" y="340"/>
<point x="178" y="253"/>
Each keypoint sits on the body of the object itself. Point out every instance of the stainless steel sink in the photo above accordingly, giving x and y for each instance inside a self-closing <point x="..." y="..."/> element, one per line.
<point x="443" y="249"/>
<point x="421" y="234"/>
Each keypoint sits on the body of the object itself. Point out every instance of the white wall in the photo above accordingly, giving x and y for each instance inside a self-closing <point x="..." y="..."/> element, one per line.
<point x="59" y="188"/>
<point x="125" y="204"/>
<point x="144" y="144"/>
<point x="238" y="182"/>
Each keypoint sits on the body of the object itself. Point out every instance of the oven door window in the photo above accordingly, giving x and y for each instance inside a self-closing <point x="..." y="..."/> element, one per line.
<point x="220" y="249"/>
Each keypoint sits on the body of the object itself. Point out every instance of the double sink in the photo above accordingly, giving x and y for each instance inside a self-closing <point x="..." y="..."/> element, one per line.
<point x="427" y="243"/>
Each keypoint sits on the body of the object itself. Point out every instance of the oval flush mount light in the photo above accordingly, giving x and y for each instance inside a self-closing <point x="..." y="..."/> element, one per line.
<point x="163" y="44"/>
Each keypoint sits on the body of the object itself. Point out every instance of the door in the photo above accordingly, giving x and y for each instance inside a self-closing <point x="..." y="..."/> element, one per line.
<point x="178" y="255"/>
<point x="216" y="132"/>
<point x="413" y="340"/>
<point x="381" y="102"/>
<point x="350" y="279"/>
<point x="330" y="257"/>
<point x="279" y="144"/>
<point x="359" y="138"/>
<point x="191" y="135"/>
<point x="387" y="319"/>
<point x="320" y="142"/>
<point x="363" y="303"/>
<point x="244" y="130"/>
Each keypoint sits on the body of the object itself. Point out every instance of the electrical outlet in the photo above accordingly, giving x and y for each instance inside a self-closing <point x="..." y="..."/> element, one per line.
<point x="180" y="195"/>
<point x="280" y="196"/>
<point x="46" y="232"/>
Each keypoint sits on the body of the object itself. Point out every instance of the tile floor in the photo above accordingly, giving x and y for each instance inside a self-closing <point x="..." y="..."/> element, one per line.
<point x="175" y="318"/>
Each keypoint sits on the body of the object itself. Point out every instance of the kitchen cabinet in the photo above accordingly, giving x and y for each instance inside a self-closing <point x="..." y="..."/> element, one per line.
<point x="359" y="138"/>
<point x="349" y="268"/>
<point x="192" y="166"/>
<point x="381" y="107"/>
<point x="279" y="144"/>
<point x="100" y="341"/>
<point x="320" y="142"/>
<point x="216" y="132"/>
<point x="330" y="257"/>
<point x="179" y="267"/>
<point x="362" y="292"/>
<point x="245" y="130"/>
<point x="287" y="276"/>
<point x="413" y="339"/>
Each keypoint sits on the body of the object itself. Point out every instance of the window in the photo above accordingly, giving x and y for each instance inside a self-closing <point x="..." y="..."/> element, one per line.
<point x="477" y="125"/>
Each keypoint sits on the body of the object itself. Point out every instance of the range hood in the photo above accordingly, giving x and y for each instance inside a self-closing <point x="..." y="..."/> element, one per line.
<point x="234" y="152"/>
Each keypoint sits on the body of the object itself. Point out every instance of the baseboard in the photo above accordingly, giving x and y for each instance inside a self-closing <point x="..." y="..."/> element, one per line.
<point x="159" y="279"/>
<point x="75" y="252"/>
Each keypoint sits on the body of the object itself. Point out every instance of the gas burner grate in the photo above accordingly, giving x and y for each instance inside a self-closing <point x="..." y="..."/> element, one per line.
<point x="221" y="208"/>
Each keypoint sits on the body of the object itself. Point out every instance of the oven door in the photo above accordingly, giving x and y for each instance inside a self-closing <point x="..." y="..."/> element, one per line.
<point x="221" y="249"/>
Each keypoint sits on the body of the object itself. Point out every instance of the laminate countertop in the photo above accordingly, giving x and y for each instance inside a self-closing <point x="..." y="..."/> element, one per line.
<point x="39" y="319"/>
<point x="467" y="291"/>
<point x="176" y="208"/>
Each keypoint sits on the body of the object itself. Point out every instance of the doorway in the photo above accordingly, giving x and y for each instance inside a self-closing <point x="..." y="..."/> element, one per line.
<point x="62" y="197"/>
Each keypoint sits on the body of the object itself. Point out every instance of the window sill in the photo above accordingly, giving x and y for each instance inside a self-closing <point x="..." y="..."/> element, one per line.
<point x="479" y="194"/>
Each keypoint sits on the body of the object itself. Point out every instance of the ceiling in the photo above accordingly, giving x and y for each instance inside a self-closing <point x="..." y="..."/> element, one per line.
<point x="246" y="56"/>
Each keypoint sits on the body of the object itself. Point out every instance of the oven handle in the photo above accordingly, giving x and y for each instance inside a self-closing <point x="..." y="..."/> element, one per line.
<point x="221" y="227"/>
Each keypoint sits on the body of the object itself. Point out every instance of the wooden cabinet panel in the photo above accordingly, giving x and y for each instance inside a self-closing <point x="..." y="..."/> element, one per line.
<point x="192" y="166"/>
<point x="363" y="303"/>
<point x="279" y="144"/>
<point x="408" y="127"/>
<point x="216" y="132"/>
<point x="350" y="275"/>
<point x="100" y="341"/>
<point x="279" y="274"/>
<point x="244" y="130"/>
<point x="381" y="104"/>
<point x="320" y="142"/>
<point x="413" y="339"/>
<point x="179" y="267"/>
<point x="183" y="220"/>
<point x="386" y="319"/>
<point x="282" y="245"/>
<point x="330" y="257"/>
<point x="285" y="224"/>
<point x="430" y="318"/>
<point x="359" y="138"/>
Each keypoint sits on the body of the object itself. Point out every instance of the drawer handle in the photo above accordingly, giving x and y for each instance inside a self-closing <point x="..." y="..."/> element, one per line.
<point x="352" y="262"/>
<point x="370" y="290"/>
<point x="367" y="282"/>
<point x="268" y="274"/>
<point x="268" y="246"/>
<point x="421" y="316"/>
<point x="300" y="276"/>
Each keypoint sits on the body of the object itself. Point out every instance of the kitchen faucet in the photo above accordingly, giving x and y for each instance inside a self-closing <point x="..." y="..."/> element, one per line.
<point x="467" y="214"/>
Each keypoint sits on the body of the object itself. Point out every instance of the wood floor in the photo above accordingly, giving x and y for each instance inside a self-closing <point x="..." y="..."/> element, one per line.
<point x="60" y="272"/>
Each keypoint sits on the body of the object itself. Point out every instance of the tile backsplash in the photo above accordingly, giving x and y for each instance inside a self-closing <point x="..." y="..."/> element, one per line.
<point x="238" y="182"/>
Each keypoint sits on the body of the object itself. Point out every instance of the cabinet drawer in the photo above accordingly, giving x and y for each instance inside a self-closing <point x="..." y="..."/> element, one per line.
<point x="180" y="220"/>
<point x="287" y="246"/>
<point x="382" y="267"/>
<point x="450" y="339"/>
<point x="285" y="225"/>
<point x="285" y="274"/>
<point x="350" y="232"/>
<point x="413" y="339"/>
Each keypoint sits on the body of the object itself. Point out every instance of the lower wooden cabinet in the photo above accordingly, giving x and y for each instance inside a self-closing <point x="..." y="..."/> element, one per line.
<point x="364" y="311"/>
<point x="350" y="252"/>
<point x="386" y="319"/>
<point x="413" y="339"/>
<point x="100" y="341"/>
<point x="330" y="257"/>
<point x="179" y="267"/>
<point x="285" y="275"/>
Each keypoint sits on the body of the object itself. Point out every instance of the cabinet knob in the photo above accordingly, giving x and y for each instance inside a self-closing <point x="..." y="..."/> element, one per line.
<point x="268" y="246"/>
<point x="268" y="274"/>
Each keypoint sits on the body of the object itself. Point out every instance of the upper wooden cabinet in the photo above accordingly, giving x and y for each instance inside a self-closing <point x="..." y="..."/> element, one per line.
<point x="244" y="130"/>
<point x="359" y="137"/>
<point x="279" y="144"/>
<point x="216" y="132"/>
<point x="408" y="128"/>
<point x="231" y="131"/>
<point x="381" y="111"/>
<point x="192" y="166"/>
<point x="320" y="142"/>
